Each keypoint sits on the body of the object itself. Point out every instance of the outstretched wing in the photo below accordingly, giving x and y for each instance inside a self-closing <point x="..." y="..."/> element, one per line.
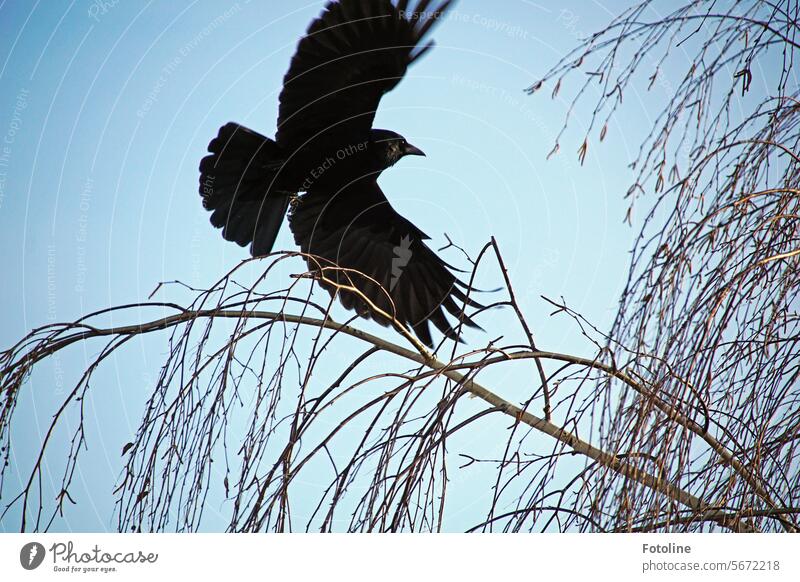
<point x="356" y="51"/>
<point x="357" y="229"/>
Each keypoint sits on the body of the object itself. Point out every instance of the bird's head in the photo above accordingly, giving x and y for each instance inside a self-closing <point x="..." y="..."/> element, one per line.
<point x="390" y="146"/>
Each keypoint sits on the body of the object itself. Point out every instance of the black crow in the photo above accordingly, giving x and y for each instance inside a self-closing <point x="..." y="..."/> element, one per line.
<point x="326" y="159"/>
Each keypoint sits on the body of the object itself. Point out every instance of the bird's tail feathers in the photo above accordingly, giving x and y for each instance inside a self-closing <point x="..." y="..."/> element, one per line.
<point x="241" y="184"/>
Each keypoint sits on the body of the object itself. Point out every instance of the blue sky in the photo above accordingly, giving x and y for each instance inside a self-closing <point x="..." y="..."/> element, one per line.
<point x="107" y="108"/>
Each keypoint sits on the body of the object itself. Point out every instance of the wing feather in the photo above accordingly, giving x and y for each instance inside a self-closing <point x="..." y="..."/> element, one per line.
<point x="356" y="51"/>
<point x="358" y="229"/>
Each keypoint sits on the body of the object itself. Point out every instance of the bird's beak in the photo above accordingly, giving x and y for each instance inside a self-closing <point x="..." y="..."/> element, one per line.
<point x="411" y="150"/>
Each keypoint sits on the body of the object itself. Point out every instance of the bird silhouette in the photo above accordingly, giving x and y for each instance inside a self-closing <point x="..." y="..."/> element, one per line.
<point x="326" y="159"/>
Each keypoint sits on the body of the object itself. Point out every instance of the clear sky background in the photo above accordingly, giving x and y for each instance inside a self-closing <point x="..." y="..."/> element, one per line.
<point x="107" y="107"/>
